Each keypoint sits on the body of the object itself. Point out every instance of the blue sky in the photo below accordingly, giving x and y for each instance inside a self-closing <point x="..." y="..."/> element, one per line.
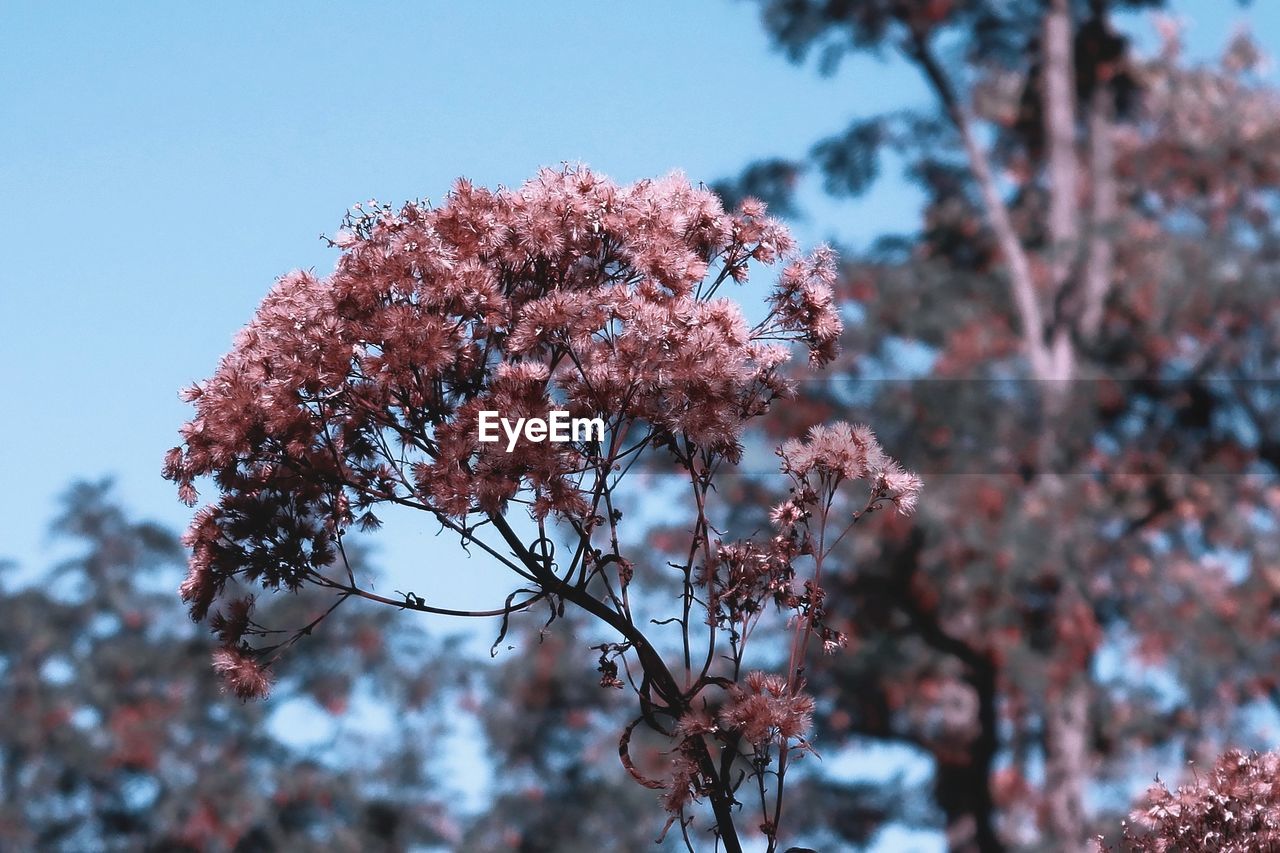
<point x="163" y="163"/>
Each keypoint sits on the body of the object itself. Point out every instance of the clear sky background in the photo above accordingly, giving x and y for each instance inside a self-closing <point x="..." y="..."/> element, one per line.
<point x="163" y="163"/>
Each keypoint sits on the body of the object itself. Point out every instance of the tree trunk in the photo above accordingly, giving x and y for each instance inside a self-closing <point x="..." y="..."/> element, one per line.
<point x="1104" y="207"/>
<point x="962" y="780"/>
<point x="1063" y="169"/>
<point x="1066" y="764"/>
<point x="963" y="789"/>
<point x="1066" y="719"/>
<point x="1044" y="300"/>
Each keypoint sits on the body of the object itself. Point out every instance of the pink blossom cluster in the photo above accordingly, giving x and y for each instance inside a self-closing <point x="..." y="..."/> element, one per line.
<point x="242" y="673"/>
<point x="771" y="713"/>
<point x="1234" y="808"/>
<point x="740" y="578"/>
<point x="818" y="466"/>
<point x="766" y="710"/>
<point x="363" y="388"/>
<point x="831" y="454"/>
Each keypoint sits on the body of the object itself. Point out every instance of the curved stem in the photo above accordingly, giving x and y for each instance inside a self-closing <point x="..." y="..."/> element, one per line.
<point x="655" y="668"/>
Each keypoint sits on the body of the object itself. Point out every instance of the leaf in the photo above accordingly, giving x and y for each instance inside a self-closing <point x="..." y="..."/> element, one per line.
<point x="850" y="162"/>
<point x="772" y="181"/>
<point x="506" y="620"/>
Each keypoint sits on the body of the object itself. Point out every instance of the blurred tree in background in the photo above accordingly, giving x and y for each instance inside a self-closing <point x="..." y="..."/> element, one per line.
<point x="554" y="734"/>
<point x="1084" y="336"/>
<point x="118" y="736"/>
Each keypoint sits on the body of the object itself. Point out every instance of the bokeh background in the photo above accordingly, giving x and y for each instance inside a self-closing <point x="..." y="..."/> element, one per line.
<point x="164" y="163"/>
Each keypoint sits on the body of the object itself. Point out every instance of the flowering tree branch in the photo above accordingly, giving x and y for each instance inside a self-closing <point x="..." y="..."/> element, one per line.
<point x="367" y="389"/>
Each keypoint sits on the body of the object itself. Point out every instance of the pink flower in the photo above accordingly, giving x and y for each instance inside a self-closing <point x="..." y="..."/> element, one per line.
<point x="903" y="486"/>
<point x="841" y="451"/>
<point x="242" y="674"/>
<point x="786" y="515"/>
<point x="765" y="711"/>
<point x="1234" y="808"/>
<point x="344" y="239"/>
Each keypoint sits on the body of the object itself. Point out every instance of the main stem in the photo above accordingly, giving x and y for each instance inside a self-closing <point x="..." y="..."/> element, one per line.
<point x="663" y="681"/>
